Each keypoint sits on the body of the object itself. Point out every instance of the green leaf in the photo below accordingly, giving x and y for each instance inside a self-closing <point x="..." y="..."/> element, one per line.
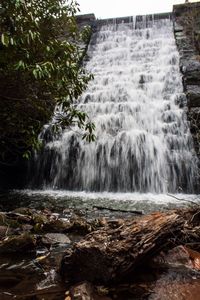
<point x="11" y="41"/>
<point x="27" y="154"/>
<point x="35" y="73"/>
<point x="5" y="39"/>
<point x="44" y="70"/>
<point x="20" y="65"/>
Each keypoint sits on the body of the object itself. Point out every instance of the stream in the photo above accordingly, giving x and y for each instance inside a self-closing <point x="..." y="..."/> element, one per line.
<point x="34" y="275"/>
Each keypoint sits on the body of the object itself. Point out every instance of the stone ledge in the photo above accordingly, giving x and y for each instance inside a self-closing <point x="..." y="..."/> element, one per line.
<point x="179" y="9"/>
<point x="138" y="18"/>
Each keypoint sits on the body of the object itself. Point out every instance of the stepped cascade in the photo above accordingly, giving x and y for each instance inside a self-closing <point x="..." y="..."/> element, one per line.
<point x="137" y="103"/>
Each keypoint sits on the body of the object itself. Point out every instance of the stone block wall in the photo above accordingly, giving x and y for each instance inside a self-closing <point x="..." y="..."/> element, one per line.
<point x="186" y="19"/>
<point x="186" y="29"/>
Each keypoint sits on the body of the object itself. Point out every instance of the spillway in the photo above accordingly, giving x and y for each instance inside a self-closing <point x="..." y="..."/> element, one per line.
<point x="137" y="103"/>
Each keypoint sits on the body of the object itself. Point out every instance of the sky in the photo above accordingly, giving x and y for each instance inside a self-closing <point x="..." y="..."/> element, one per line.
<point x="121" y="8"/>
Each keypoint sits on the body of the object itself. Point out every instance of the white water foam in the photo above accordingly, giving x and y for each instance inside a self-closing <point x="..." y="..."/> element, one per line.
<point x="133" y="197"/>
<point x="137" y="103"/>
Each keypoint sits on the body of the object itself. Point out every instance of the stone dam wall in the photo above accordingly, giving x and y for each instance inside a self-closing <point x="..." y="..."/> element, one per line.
<point x="186" y="19"/>
<point x="187" y="34"/>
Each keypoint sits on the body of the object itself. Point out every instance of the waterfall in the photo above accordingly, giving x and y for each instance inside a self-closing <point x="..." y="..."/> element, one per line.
<point x="137" y="103"/>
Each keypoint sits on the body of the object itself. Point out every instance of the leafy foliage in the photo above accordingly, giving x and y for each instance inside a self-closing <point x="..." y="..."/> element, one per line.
<point x="40" y="67"/>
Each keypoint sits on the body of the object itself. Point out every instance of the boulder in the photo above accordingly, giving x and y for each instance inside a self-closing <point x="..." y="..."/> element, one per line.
<point x="57" y="226"/>
<point x="19" y="243"/>
<point x="55" y="238"/>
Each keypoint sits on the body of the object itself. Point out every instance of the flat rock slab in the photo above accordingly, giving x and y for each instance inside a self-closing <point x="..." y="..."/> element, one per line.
<point x="55" y="238"/>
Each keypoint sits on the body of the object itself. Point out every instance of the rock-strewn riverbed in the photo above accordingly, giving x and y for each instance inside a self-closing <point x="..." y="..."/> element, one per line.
<point x="33" y="243"/>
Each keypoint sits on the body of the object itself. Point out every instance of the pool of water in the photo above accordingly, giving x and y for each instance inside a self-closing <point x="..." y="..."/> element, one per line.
<point x="125" y="202"/>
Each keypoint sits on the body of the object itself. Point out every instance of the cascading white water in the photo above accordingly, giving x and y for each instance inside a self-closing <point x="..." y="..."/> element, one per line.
<point x="137" y="103"/>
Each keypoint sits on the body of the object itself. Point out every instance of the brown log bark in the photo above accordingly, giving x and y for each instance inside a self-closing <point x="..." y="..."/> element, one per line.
<point x="112" y="255"/>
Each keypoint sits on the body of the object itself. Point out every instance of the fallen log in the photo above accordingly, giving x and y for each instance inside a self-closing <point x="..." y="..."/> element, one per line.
<point x="137" y="212"/>
<point x="112" y="255"/>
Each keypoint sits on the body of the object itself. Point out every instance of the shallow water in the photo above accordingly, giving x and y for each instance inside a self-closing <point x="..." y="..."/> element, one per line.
<point x="96" y="204"/>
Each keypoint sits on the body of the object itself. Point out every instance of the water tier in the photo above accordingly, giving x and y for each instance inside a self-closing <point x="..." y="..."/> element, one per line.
<point x="137" y="103"/>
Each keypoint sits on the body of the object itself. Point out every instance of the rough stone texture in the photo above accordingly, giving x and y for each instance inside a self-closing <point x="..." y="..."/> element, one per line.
<point x="85" y="20"/>
<point x="85" y="291"/>
<point x="55" y="238"/>
<point x="194" y="117"/>
<point x="112" y="255"/>
<point x="21" y="243"/>
<point x="186" y="23"/>
<point x="180" y="258"/>
<point x="193" y="95"/>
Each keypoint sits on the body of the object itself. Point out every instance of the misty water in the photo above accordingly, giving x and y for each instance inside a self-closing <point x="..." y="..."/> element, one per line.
<point x="143" y="148"/>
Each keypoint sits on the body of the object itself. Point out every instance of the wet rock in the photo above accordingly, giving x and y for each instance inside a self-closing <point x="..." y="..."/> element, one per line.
<point x="194" y="257"/>
<point x="6" y="231"/>
<point x="80" y="225"/>
<point x="193" y="95"/>
<point x="5" y="220"/>
<point x="179" y="258"/>
<point x="24" y="211"/>
<point x="45" y="221"/>
<point x="55" y="238"/>
<point x="23" y="242"/>
<point x="75" y="224"/>
<point x="187" y="41"/>
<point x="174" y="287"/>
<point x="193" y="77"/>
<point x="58" y="226"/>
<point x="2" y="219"/>
<point x="85" y="291"/>
<point x="19" y="276"/>
<point x="39" y="218"/>
<point x="177" y="27"/>
<point x="3" y="231"/>
<point x="194" y="117"/>
<point x="20" y="218"/>
<point x="27" y="227"/>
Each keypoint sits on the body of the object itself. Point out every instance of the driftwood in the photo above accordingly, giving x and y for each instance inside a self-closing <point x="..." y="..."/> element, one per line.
<point x="113" y="255"/>
<point x="137" y="212"/>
